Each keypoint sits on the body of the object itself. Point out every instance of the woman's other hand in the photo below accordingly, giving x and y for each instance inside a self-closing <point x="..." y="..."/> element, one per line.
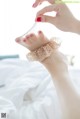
<point x="64" y="19"/>
<point x="38" y="2"/>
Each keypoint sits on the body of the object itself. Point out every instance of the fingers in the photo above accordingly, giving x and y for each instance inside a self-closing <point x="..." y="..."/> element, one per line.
<point x="42" y="38"/>
<point x="21" y="41"/>
<point x="46" y="18"/>
<point x="32" y="41"/>
<point x="32" y="38"/>
<point x="36" y="3"/>
<point x="40" y="35"/>
<point x="51" y="1"/>
<point x="49" y="8"/>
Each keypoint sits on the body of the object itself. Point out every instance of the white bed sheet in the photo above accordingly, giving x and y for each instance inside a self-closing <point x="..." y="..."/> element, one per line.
<point x="27" y="91"/>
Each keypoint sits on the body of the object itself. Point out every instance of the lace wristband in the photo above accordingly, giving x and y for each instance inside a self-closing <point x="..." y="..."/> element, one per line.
<point x="43" y="52"/>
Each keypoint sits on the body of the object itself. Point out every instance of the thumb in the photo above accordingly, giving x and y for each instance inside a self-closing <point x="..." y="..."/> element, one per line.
<point x="46" y="18"/>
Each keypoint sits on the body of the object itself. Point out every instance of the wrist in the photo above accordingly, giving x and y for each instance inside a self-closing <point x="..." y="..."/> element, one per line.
<point x="55" y="65"/>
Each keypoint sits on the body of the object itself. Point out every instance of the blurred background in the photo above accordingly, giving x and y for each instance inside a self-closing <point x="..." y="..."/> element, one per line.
<point x="17" y="16"/>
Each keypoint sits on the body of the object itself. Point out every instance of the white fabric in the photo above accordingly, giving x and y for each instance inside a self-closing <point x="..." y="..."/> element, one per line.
<point x="27" y="91"/>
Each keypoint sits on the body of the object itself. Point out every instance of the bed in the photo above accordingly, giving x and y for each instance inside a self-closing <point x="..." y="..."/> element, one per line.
<point x="27" y="91"/>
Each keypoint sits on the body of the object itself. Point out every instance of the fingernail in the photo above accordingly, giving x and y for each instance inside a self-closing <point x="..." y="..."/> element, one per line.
<point x="17" y="39"/>
<point x="39" y="19"/>
<point x="33" y="5"/>
<point x="31" y="35"/>
<point x="40" y="3"/>
<point x="27" y="37"/>
<point x="24" y="40"/>
<point x="40" y="32"/>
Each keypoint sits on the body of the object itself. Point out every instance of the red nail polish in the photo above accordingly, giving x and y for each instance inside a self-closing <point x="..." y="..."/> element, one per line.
<point x="31" y="35"/>
<point x="33" y="5"/>
<point x="27" y="37"/>
<point x="24" y="40"/>
<point x="40" y="32"/>
<point x="39" y="19"/>
<point x="17" y="39"/>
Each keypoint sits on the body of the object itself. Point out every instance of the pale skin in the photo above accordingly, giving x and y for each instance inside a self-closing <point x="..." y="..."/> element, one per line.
<point x="64" y="19"/>
<point x="56" y="64"/>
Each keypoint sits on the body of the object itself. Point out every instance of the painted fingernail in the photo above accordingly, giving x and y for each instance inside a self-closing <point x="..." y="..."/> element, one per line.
<point x="27" y="37"/>
<point x="31" y="35"/>
<point x="33" y="5"/>
<point x="40" y="32"/>
<point x="24" y="40"/>
<point x="39" y="19"/>
<point x="17" y="39"/>
<point x="40" y="3"/>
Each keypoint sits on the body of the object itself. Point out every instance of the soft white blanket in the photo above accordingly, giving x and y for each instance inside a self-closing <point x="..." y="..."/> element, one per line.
<point x="27" y="91"/>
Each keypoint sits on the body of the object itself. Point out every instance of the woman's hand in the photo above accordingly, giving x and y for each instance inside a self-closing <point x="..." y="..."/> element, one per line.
<point x="37" y="2"/>
<point x="64" y="19"/>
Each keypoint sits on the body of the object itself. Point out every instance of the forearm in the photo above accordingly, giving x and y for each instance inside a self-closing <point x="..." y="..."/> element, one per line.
<point x="62" y="81"/>
<point x="68" y="97"/>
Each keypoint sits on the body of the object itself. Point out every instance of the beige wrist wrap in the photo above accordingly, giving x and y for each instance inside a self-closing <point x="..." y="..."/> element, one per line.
<point x="43" y="52"/>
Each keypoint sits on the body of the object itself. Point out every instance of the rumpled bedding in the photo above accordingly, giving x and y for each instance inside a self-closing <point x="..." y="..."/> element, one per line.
<point x="27" y="91"/>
